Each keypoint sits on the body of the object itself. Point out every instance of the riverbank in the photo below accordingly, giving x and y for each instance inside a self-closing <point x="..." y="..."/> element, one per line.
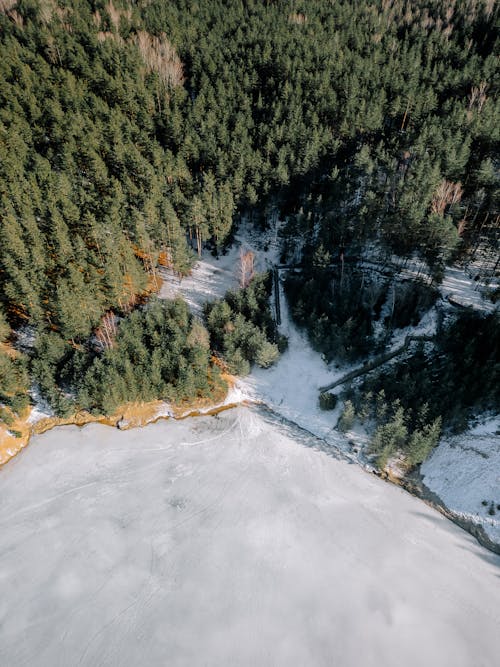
<point x="410" y="481"/>
<point x="15" y="437"/>
<point x="138" y="415"/>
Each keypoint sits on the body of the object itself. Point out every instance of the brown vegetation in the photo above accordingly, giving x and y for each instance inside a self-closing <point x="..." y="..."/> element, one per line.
<point x="49" y="9"/>
<point x="131" y="415"/>
<point x="160" y="57"/>
<point x="102" y="36"/>
<point x="116" y="14"/>
<point x="106" y="332"/>
<point x="477" y="96"/>
<point x="246" y="267"/>
<point x="447" y="194"/>
<point x="298" y="18"/>
<point x="7" y="5"/>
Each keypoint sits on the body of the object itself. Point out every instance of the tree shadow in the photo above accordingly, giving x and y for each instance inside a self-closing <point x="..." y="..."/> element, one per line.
<point x="475" y="536"/>
<point x="305" y="437"/>
<point x="455" y="528"/>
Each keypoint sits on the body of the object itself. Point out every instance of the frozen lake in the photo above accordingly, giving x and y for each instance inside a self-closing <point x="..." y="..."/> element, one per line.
<point x="229" y="541"/>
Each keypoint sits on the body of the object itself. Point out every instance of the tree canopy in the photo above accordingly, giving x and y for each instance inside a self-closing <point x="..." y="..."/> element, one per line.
<point x="133" y="133"/>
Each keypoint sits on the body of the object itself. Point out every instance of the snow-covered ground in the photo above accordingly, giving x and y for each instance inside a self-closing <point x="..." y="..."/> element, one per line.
<point x="233" y="540"/>
<point x="459" y="288"/>
<point x="235" y="396"/>
<point x="290" y="388"/>
<point x="464" y="471"/>
<point x="213" y="276"/>
<point x="229" y="542"/>
<point x="41" y="409"/>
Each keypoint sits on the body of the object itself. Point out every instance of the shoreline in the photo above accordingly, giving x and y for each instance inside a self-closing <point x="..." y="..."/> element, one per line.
<point x="128" y="416"/>
<point x="138" y="415"/>
<point x="411" y="483"/>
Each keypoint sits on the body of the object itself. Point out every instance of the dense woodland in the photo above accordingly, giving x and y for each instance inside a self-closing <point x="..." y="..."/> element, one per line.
<point x="341" y="307"/>
<point x="242" y="328"/>
<point x="443" y="382"/>
<point x="133" y="134"/>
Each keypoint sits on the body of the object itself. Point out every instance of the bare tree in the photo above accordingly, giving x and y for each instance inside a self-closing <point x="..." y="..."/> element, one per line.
<point x="106" y="332"/>
<point x="160" y="56"/>
<point x="477" y="97"/>
<point x="462" y="224"/>
<point x="116" y="14"/>
<point x="246" y="267"/>
<point x="7" y="5"/>
<point x="447" y="193"/>
<point x="297" y="18"/>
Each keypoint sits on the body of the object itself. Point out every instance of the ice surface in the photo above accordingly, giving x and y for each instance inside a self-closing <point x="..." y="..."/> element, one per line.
<point x="229" y="541"/>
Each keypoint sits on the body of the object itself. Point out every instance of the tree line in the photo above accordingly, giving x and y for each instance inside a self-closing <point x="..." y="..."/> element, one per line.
<point x="133" y="134"/>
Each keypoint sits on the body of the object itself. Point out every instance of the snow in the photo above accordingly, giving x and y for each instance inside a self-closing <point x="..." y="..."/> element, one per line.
<point x="209" y="280"/>
<point x="464" y="471"/>
<point x="290" y="387"/>
<point x="426" y="327"/>
<point x="164" y="411"/>
<point x="458" y="287"/>
<point x="213" y="276"/>
<point x="229" y="541"/>
<point x="234" y="396"/>
<point x="41" y="409"/>
<point x="236" y="540"/>
<point x="26" y="338"/>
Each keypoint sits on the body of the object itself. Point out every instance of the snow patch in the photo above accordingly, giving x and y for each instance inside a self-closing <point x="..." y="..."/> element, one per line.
<point x="164" y="411"/>
<point x="212" y="277"/>
<point x="41" y="409"/>
<point x="26" y="338"/>
<point x="464" y="471"/>
<point x="460" y="289"/>
<point x="236" y="395"/>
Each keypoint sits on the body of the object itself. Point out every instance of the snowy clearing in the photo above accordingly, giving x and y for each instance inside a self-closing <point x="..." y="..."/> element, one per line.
<point x="464" y="471"/>
<point x="290" y="387"/>
<point x="459" y="288"/>
<point x="233" y="542"/>
<point x="212" y="276"/>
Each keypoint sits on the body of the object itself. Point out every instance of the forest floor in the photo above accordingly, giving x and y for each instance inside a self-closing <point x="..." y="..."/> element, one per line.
<point x="213" y="276"/>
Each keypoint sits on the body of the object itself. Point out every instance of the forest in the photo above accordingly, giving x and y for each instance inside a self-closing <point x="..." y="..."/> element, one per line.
<point x="138" y="135"/>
